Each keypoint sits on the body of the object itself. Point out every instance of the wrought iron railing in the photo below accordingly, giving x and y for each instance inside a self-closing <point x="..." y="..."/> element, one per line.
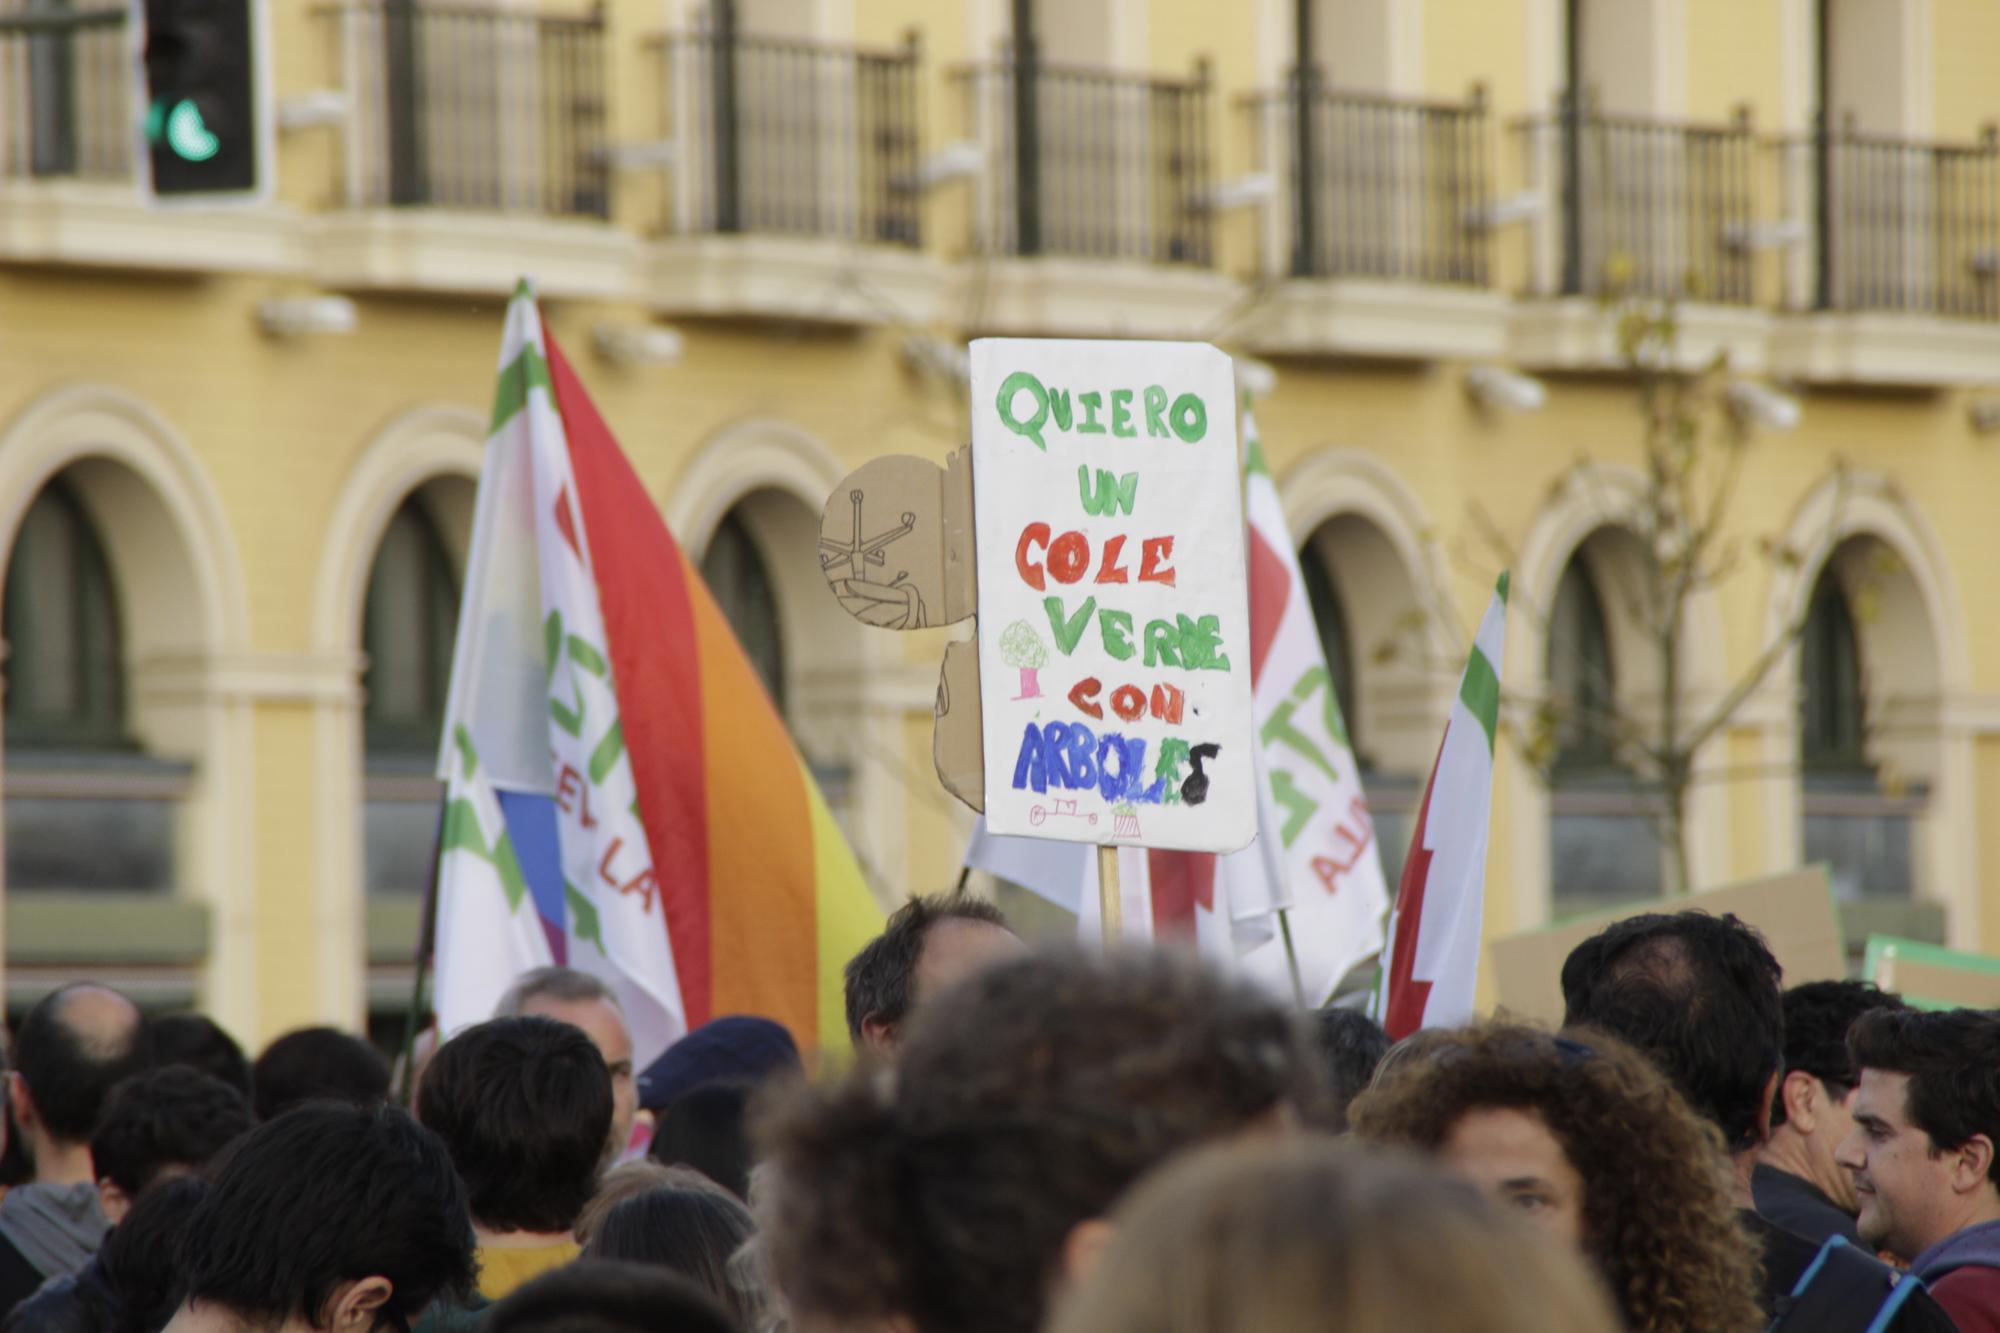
<point x="1649" y="207"/>
<point x="65" y="93"/>
<point x="1379" y="187"/>
<point x="455" y="106"/>
<point x="793" y="137"/>
<point x="1902" y="226"/>
<point x="1092" y="164"/>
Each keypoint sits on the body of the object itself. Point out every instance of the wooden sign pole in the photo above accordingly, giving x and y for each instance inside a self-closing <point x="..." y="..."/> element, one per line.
<point x="1110" y="904"/>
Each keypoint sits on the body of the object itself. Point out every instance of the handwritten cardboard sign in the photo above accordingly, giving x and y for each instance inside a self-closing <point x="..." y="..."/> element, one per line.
<point x="1114" y="625"/>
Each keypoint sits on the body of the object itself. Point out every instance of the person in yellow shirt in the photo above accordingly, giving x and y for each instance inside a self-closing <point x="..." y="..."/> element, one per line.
<point x="524" y="1106"/>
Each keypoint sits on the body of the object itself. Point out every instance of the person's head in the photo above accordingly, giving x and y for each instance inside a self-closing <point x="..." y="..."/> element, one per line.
<point x="523" y="1105"/>
<point x="332" y="1218"/>
<point x="598" y="1296"/>
<point x="708" y="1130"/>
<point x="166" y="1122"/>
<point x="318" y="1065"/>
<point x="139" y="1257"/>
<point x="196" y="1041"/>
<point x="737" y="1048"/>
<point x="583" y="1001"/>
<point x="630" y="1180"/>
<point x="74" y="1046"/>
<point x="927" y="946"/>
<point x="1297" y="1237"/>
<point x="1350" y="1045"/>
<point x="1926" y="1124"/>
<point x="1022" y="1106"/>
<point x="1809" y="1116"/>
<point x="1592" y="1144"/>
<point x="693" y="1232"/>
<point x="1699" y="995"/>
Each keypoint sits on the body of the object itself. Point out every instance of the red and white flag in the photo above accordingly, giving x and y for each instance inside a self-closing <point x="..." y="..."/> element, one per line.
<point x="1432" y="967"/>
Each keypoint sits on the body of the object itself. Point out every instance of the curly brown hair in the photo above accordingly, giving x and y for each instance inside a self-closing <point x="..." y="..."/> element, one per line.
<point x="943" y="1192"/>
<point x="1658" y="1217"/>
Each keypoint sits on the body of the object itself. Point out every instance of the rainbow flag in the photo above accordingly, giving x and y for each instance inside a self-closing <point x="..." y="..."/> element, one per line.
<point x="655" y="816"/>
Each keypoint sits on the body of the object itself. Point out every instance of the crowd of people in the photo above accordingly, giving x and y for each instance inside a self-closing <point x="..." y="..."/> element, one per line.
<point x="1023" y="1140"/>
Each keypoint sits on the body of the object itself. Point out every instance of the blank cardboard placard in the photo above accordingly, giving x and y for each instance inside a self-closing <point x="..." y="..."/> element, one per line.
<point x="1114" y="636"/>
<point x="1932" y="977"/>
<point x="1794" y="911"/>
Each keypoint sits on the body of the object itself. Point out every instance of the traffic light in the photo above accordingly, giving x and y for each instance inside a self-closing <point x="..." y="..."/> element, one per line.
<point x="203" y="125"/>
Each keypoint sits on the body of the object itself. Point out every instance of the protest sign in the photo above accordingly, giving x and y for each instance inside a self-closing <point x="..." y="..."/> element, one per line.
<point x="1114" y="644"/>
<point x="1930" y="976"/>
<point x="1793" y="910"/>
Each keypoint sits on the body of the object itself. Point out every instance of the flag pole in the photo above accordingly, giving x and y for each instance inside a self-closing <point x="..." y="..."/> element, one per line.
<point x="1292" y="956"/>
<point x="1111" y="906"/>
<point x="426" y="950"/>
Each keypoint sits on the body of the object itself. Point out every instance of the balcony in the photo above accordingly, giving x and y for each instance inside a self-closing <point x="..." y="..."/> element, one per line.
<point x="474" y="151"/>
<point x="1378" y="246"/>
<point x="1904" y="288"/>
<point x="1092" y="217"/>
<point x="794" y="190"/>
<point x="69" y="188"/>
<point x="1649" y="209"/>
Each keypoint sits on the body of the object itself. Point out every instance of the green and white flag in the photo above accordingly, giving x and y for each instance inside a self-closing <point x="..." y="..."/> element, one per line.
<point x="1434" y="937"/>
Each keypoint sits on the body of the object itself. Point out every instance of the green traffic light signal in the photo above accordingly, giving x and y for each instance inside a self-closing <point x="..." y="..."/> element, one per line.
<point x="183" y="130"/>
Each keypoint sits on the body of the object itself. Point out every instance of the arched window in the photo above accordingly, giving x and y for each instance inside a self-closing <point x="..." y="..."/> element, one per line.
<point x="735" y="572"/>
<point x="407" y="628"/>
<point x="1580" y="671"/>
<point x="1831" y="732"/>
<point x="1330" y="617"/>
<point x="65" y="681"/>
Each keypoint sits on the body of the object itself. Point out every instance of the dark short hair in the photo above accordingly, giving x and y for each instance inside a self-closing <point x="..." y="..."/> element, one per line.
<point x="172" y="1117"/>
<point x="139" y="1257"/>
<point x="70" y="1072"/>
<point x="1350" y="1045"/>
<point x="1699" y="995"/>
<point x="707" y="1128"/>
<point x="1952" y="1059"/>
<point x="1025" y="1106"/>
<point x="1817" y="1017"/>
<point x="318" y="1065"/>
<point x="197" y="1041"/>
<point x="524" y="1105"/>
<point x="327" y="1194"/>
<point x="598" y="1296"/>
<point x="882" y="978"/>
<point x="693" y="1232"/>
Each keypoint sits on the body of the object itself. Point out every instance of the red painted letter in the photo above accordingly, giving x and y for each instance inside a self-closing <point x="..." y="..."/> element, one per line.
<point x="1069" y="556"/>
<point x="1155" y="550"/>
<point x="1083" y="692"/>
<point x="1128" y="701"/>
<point x="1108" y="568"/>
<point x="1168" y="703"/>
<point x="1031" y="573"/>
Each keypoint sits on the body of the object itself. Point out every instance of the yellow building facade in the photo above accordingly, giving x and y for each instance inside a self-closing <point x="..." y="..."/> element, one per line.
<point x="238" y="445"/>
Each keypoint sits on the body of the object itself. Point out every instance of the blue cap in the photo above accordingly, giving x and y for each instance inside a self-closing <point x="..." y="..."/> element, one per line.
<point x="738" y="1049"/>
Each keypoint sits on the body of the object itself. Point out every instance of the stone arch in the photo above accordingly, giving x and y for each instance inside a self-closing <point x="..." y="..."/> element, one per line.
<point x="434" y="450"/>
<point x="1589" y="516"/>
<point x="1353" y="512"/>
<point x="414" y="452"/>
<point x="1917" y="663"/>
<point x="185" y="614"/>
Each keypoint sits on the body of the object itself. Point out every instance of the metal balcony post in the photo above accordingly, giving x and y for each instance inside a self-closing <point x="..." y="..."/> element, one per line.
<point x="1305" y="92"/>
<point x="728" y="163"/>
<point x="1027" y="134"/>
